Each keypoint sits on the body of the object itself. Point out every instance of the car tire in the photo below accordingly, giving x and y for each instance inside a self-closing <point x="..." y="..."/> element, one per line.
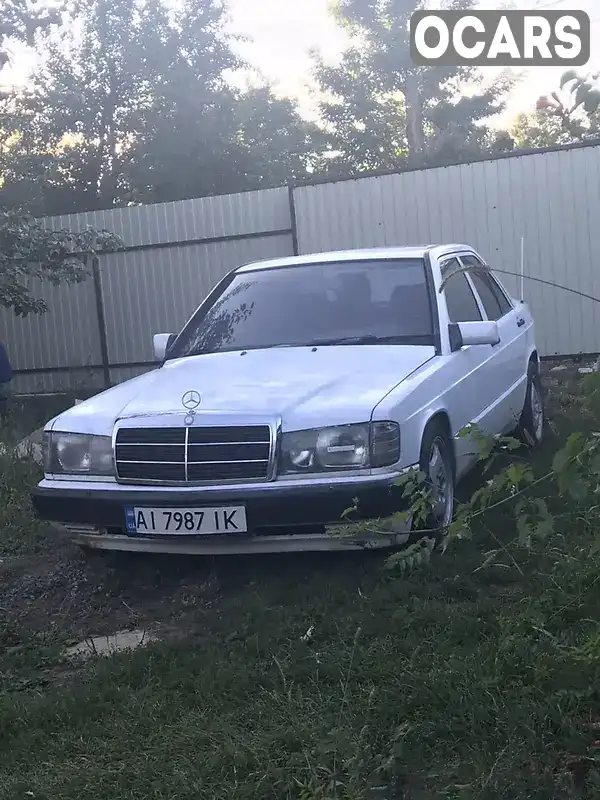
<point x="437" y="462"/>
<point x="532" y="422"/>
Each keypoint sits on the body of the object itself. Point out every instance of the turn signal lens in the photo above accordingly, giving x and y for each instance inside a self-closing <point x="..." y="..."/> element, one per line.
<point x="385" y="443"/>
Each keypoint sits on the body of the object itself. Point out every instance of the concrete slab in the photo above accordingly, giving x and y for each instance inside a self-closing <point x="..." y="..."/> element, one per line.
<point x="31" y="446"/>
<point x="109" y="645"/>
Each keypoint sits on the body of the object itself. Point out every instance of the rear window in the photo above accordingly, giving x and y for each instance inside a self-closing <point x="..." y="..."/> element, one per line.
<point x="495" y="303"/>
<point x="493" y="298"/>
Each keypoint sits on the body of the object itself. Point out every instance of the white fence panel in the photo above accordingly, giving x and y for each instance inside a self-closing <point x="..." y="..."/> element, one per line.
<point x="189" y="220"/>
<point x="41" y="340"/>
<point x="156" y="291"/>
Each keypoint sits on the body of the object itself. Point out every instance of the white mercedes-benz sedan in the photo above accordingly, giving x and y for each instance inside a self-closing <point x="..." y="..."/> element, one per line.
<point x="301" y="387"/>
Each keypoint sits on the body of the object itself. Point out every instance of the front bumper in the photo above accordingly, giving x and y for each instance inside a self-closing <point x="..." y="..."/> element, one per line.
<point x="280" y="515"/>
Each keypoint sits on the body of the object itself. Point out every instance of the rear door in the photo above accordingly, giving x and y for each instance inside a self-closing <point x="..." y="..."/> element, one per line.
<point x="508" y="378"/>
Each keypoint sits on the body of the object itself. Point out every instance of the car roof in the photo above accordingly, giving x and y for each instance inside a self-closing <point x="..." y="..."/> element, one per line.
<point x="368" y="254"/>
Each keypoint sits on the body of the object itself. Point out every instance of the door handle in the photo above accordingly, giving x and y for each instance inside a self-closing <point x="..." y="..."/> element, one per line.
<point x="520" y="322"/>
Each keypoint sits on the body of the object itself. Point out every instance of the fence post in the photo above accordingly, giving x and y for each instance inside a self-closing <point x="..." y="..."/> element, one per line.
<point x="101" y="321"/>
<point x="294" y="224"/>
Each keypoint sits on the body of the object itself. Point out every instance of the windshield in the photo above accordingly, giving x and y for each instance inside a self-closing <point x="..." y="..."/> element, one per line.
<point x="352" y="302"/>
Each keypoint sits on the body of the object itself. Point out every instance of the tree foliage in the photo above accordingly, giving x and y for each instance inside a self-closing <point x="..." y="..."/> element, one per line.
<point x="21" y="19"/>
<point x="570" y="114"/>
<point x="383" y="111"/>
<point x="31" y="253"/>
<point x="132" y="103"/>
<point x="538" y="129"/>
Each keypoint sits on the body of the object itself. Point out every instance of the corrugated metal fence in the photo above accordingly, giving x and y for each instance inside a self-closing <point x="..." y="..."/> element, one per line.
<point x="100" y="332"/>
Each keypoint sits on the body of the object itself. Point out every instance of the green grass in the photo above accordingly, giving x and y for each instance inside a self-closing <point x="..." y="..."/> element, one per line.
<point x="453" y="682"/>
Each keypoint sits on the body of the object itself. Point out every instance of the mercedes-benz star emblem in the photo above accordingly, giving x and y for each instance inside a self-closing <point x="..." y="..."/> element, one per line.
<point x="191" y="400"/>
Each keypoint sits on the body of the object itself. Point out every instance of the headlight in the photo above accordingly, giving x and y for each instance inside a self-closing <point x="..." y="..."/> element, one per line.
<point x="78" y="454"/>
<point x="360" y="446"/>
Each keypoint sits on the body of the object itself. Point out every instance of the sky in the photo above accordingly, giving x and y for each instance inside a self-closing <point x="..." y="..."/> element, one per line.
<point x="283" y="32"/>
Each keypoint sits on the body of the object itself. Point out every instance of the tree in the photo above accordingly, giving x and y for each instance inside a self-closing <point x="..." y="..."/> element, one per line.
<point x="184" y="133"/>
<point x="228" y="143"/>
<point x="137" y="107"/>
<point x="383" y="111"/>
<point x="568" y="115"/>
<point x="72" y="127"/>
<point x="578" y="110"/>
<point x="538" y="129"/>
<point x="21" y="20"/>
<point x="30" y="253"/>
<point x="276" y="143"/>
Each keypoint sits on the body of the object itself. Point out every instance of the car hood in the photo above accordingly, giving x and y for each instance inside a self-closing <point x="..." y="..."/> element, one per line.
<point x="306" y="387"/>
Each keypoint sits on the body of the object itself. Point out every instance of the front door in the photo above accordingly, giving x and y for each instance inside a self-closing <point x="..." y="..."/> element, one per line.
<point x="471" y="391"/>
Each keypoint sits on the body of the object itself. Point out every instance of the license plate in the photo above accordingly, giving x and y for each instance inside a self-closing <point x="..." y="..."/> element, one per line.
<point x="186" y="521"/>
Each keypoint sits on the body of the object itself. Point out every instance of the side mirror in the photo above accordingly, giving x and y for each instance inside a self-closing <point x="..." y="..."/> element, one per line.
<point x="162" y="342"/>
<point x="467" y="333"/>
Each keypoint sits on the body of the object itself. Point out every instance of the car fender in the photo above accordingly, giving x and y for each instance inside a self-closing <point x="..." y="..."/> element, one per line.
<point x="437" y="412"/>
<point x="414" y="404"/>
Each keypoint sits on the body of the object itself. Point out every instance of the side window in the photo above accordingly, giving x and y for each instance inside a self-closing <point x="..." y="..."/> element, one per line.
<point x="462" y="306"/>
<point x="495" y="303"/>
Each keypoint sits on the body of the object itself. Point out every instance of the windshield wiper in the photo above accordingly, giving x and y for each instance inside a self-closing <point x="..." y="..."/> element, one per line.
<point x="370" y="339"/>
<point x="420" y="339"/>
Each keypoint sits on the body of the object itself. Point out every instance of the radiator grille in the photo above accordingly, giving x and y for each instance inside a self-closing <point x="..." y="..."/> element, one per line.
<point x="193" y="455"/>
